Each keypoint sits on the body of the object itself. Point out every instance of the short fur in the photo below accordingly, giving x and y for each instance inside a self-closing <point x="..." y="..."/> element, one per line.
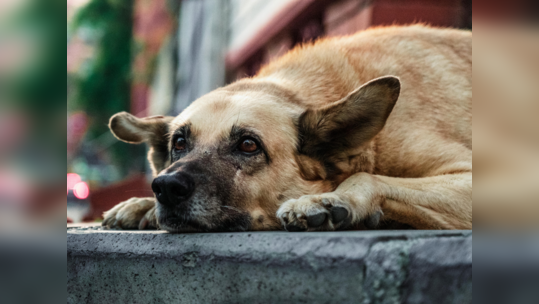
<point x="342" y="145"/>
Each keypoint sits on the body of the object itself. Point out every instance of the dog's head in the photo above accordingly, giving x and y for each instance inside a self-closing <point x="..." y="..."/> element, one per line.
<point x="230" y="159"/>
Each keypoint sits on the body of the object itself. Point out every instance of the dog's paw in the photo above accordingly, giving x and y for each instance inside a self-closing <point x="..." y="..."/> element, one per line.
<point x="135" y="213"/>
<point x="324" y="212"/>
<point x="315" y="212"/>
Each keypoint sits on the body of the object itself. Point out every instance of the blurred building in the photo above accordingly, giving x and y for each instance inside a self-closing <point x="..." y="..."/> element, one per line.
<point x="207" y="44"/>
<point x="220" y="41"/>
<point x="263" y="31"/>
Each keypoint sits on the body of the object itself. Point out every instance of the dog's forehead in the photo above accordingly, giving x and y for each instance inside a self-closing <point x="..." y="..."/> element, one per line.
<point x="213" y="116"/>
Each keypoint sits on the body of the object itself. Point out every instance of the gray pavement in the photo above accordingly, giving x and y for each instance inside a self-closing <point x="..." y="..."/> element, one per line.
<point x="106" y="266"/>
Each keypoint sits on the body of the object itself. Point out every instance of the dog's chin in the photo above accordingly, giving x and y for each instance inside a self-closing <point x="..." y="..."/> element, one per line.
<point x="170" y="221"/>
<point x="175" y="225"/>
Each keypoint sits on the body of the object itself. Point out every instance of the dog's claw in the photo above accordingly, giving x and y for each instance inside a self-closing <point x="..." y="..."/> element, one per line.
<point x="372" y="221"/>
<point x="105" y="222"/>
<point x="294" y="228"/>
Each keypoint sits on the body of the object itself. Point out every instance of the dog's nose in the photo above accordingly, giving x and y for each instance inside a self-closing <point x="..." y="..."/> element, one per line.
<point x="173" y="189"/>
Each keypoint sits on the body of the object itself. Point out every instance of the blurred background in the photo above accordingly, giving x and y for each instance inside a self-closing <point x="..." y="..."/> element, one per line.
<point x="32" y="96"/>
<point x="155" y="57"/>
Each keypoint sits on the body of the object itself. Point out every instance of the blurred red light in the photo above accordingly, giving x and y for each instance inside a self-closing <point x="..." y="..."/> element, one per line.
<point x="81" y="190"/>
<point x="72" y="180"/>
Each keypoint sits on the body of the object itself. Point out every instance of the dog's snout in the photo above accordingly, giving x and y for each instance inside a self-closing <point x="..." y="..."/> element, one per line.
<point x="173" y="189"/>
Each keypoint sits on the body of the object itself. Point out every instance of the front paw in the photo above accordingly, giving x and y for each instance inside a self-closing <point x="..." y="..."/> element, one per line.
<point x="135" y="213"/>
<point x="324" y="212"/>
<point x="315" y="212"/>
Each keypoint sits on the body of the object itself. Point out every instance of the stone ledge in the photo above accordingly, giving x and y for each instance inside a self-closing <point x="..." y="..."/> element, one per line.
<point x="107" y="266"/>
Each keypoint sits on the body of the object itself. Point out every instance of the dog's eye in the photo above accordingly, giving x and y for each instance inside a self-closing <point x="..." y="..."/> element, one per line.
<point x="248" y="146"/>
<point x="180" y="144"/>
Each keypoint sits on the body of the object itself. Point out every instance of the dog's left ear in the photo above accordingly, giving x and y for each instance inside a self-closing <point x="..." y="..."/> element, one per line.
<point x="350" y="122"/>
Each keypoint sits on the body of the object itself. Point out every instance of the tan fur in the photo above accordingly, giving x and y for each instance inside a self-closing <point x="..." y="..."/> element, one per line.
<point x="414" y="168"/>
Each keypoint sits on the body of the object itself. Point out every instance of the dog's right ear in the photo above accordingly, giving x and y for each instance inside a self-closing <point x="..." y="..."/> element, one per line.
<point x="150" y="130"/>
<point x="134" y="130"/>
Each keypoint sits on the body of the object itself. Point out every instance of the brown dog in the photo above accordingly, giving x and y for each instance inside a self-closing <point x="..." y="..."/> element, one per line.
<point x="318" y="141"/>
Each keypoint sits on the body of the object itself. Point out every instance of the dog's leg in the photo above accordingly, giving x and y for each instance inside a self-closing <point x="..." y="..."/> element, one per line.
<point x="135" y="213"/>
<point x="438" y="202"/>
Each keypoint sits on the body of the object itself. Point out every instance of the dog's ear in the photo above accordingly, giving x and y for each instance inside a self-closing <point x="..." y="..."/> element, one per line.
<point x="134" y="130"/>
<point x="150" y="130"/>
<point x="333" y="130"/>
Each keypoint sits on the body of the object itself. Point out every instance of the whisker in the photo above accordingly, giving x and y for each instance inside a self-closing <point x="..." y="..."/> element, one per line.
<point x="230" y="207"/>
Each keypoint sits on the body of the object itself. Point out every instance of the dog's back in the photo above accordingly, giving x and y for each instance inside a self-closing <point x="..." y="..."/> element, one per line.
<point x="431" y="122"/>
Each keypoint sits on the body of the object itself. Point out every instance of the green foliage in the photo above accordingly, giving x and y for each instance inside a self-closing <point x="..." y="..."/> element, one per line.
<point x="104" y="89"/>
<point x="35" y="88"/>
<point x="39" y="86"/>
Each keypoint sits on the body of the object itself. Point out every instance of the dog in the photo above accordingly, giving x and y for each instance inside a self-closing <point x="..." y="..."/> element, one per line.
<point x="344" y="133"/>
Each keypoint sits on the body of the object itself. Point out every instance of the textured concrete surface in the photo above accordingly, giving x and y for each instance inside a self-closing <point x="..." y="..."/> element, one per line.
<point x="106" y="266"/>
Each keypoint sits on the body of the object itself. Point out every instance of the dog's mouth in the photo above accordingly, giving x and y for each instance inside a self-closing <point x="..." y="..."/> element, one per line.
<point x="227" y="221"/>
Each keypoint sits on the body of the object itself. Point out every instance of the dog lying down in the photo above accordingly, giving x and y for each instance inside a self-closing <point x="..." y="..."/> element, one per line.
<point x="346" y="133"/>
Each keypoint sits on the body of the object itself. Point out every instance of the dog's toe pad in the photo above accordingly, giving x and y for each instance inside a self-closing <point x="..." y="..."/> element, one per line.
<point x="316" y="220"/>
<point x="338" y="214"/>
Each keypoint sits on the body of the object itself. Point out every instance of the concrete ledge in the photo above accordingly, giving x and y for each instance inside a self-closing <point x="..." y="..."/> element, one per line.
<point x="106" y="266"/>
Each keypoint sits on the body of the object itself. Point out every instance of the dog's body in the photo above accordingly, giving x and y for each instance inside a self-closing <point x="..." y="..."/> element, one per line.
<point x="314" y="143"/>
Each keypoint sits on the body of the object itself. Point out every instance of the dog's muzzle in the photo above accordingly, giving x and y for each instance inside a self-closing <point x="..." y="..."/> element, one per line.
<point x="174" y="189"/>
<point x="190" y="199"/>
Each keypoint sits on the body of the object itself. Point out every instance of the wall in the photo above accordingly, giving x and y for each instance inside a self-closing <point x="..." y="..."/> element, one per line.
<point x="304" y="20"/>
